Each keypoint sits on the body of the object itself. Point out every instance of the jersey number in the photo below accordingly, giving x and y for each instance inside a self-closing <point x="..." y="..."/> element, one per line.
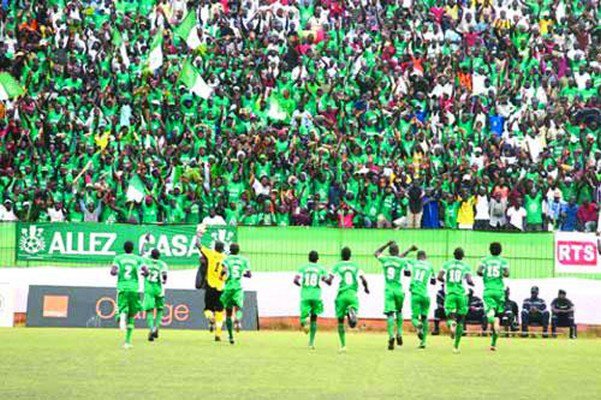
<point x="390" y="273"/>
<point x="310" y="280"/>
<point x="493" y="271"/>
<point x="348" y="278"/>
<point x="154" y="276"/>
<point x="455" y="276"/>
<point x="420" y="275"/>
<point x="127" y="273"/>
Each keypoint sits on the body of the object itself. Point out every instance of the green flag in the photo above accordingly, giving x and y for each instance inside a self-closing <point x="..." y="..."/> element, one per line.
<point x="135" y="190"/>
<point x="9" y="87"/>
<point x="194" y="82"/>
<point x="155" y="57"/>
<point x="187" y="31"/>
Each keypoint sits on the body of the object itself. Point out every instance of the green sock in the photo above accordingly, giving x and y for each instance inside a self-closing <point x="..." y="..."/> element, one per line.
<point x="129" y="330"/>
<point x="150" y="320"/>
<point x="458" y="334"/>
<point x="399" y="324"/>
<point x="495" y="336"/>
<point x="424" y="329"/>
<point x="159" y="318"/>
<point x="312" y="332"/>
<point x="230" y="327"/>
<point x="239" y="315"/>
<point x="390" y="326"/>
<point x="415" y="322"/>
<point x="341" y="334"/>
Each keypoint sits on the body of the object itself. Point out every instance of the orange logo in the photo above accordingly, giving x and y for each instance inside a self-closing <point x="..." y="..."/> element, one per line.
<point x="55" y="306"/>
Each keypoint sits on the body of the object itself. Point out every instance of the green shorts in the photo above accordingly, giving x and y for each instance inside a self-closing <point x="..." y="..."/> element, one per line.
<point x="420" y="305"/>
<point x="310" y="307"/>
<point x="232" y="298"/>
<point x="455" y="304"/>
<point x="393" y="300"/>
<point x="152" y="301"/>
<point x="129" y="303"/>
<point x="344" y="301"/>
<point x="494" y="301"/>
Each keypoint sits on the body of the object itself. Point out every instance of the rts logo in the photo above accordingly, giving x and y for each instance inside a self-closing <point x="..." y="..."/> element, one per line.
<point x="578" y="253"/>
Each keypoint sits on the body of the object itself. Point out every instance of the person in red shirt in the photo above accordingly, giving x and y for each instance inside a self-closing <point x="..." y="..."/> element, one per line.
<point x="587" y="216"/>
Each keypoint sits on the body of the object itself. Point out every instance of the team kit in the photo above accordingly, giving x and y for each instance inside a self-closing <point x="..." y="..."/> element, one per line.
<point x="220" y="275"/>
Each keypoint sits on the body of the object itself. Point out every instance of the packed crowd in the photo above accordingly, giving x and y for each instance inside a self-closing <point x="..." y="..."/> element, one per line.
<point x="362" y="113"/>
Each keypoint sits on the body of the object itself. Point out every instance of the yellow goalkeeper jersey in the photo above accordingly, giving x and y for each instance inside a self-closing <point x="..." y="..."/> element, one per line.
<point x="215" y="277"/>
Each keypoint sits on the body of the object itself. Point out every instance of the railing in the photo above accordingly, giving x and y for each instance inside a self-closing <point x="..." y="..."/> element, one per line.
<point x="284" y="249"/>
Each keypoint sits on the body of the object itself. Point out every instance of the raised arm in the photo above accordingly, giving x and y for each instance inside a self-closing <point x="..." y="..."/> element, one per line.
<point x="381" y="249"/>
<point x="409" y="250"/>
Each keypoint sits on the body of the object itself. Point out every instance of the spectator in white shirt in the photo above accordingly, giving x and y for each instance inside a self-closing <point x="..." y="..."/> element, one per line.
<point x="213" y="219"/>
<point x="7" y="213"/>
<point x="56" y="213"/>
<point x="517" y="216"/>
<point x="482" y="218"/>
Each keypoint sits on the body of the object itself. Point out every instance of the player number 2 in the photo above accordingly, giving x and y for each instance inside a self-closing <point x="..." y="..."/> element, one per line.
<point x="127" y="273"/>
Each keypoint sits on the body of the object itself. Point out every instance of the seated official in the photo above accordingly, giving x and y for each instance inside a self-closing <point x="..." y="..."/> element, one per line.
<point x="511" y="313"/>
<point x="475" y="314"/>
<point x="439" y="314"/>
<point x="562" y="314"/>
<point x="534" y="311"/>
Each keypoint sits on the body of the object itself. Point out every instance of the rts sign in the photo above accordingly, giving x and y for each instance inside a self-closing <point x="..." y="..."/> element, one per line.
<point x="576" y="252"/>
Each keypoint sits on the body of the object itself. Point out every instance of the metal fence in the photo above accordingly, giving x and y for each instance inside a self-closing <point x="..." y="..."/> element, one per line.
<point x="284" y="249"/>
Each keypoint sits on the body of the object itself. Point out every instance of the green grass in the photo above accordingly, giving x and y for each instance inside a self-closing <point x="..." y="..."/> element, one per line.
<point x="89" y="364"/>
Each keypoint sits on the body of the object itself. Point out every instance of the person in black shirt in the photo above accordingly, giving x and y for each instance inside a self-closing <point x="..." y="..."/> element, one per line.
<point x="534" y="310"/>
<point x="563" y="314"/>
<point x="439" y="314"/>
<point x="416" y="206"/>
<point x="510" y="316"/>
<point x="475" y="314"/>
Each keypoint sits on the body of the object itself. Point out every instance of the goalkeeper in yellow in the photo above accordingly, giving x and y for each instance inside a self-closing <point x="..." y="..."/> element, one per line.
<point x="211" y="277"/>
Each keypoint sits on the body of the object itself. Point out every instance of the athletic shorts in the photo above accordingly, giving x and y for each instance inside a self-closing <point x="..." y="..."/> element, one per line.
<point x="393" y="300"/>
<point x="129" y="303"/>
<point x="213" y="299"/>
<point x="455" y="304"/>
<point x="310" y="307"/>
<point x="232" y="298"/>
<point x="494" y="300"/>
<point x="420" y="305"/>
<point x="152" y="301"/>
<point x="345" y="301"/>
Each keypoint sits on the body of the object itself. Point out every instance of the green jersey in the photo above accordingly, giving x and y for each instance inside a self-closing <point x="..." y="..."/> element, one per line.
<point x="421" y="273"/>
<point x="393" y="268"/>
<point x="455" y="272"/>
<point x="236" y="268"/>
<point x="493" y="268"/>
<point x="153" y="282"/>
<point x="127" y="275"/>
<point x="311" y="275"/>
<point x="349" y="273"/>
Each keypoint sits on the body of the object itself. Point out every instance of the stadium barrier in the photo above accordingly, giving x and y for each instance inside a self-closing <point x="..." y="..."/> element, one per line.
<point x="280" y="249"/>
<point x="96" y="307"/>
<point x="277" y="296"/>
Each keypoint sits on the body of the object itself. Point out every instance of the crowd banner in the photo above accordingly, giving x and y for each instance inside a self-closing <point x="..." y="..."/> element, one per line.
<point x="96" y="307"/>
<point x="577" y="253"/>
<point x="81" y="242"/>
<point x="7" y="305"/>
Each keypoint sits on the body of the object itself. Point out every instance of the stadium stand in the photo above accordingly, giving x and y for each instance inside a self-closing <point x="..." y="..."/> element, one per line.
<point x="361" y="113"/>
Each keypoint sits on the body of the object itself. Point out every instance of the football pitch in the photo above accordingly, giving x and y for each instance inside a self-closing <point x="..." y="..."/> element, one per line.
<point x="89" y="364"/>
